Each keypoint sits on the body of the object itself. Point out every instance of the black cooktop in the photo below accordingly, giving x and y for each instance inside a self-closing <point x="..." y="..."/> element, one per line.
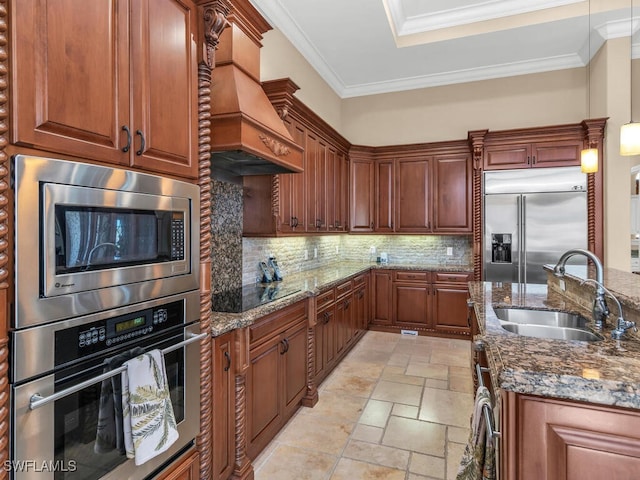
<point x="249" y="296"/>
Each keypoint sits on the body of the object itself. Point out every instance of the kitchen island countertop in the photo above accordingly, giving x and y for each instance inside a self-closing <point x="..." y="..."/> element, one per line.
<point x="604" y="372"/>
<point x="311" y="283"/>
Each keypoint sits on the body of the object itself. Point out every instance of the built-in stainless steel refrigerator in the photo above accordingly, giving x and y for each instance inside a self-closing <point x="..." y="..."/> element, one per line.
<point x="531" y="217"/>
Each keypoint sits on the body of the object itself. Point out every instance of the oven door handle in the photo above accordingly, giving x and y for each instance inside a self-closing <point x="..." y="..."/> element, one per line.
<point x="37" y="400"/>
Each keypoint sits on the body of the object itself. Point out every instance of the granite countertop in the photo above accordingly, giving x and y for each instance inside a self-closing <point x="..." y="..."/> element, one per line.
<point x="604" y="372"/>
<point x="311" y="283"/>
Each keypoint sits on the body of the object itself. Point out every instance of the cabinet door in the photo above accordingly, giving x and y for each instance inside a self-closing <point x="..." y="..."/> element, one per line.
<point x="384" y="196"/>
<point x="294" y="367"/>
<point x="164" y="66"/>
<point x="450" y="312"/>
<point x="223" y="406"/>
<point x="559" y="440"/>
<point x="343" y="313"/>
<point x="500" y="157"/>
<point x="412" y="305"/>
<point x="71" y="95"/>
<point x="382" y="297"/>
<point x="361" y="306"/>
<point x="556" y="154"/>
<point x="343" y="193"/>
<point x="185" y="468"/>
<point x="413" y="194"/>
<point x="362" y="195"/>
<point x="452" y="194"/>
<point x="315" y="176"/>
<point x="332" y="187"/>
<point x="292" y="188"/>
<point x="264" y="395"/>
<point x="323" y="318"/>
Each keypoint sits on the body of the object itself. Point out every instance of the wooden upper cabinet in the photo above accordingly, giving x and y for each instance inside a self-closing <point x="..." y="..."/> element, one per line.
<point x="559" y="153"/>
<point x="384" y="200"/>
<point x="413" y="195"/>
<point x="362" y="195"/>
<point x="127" y="97"/>
<point x="452" y="207"/>
<point x="292" y="188"/>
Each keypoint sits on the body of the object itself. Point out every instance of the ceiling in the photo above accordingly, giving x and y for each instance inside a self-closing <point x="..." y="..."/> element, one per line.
<point x="365" y="47"/>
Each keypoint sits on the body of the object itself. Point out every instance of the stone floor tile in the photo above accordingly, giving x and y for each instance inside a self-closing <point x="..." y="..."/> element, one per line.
<point x="397" y="393"/>
<point x="367" y="433"/>
<point x="454" y="454"/>
<point x="427" y="465"/>
<point x="407" y="411"/>
<point x="360" y="369"/>
<point x="376" y="413"/>
<point x="337" y="406"/>
<point x="399" y="359"/>
<point x="459" y="435"/>
<point x="437" y="372"/>
<point x="377" y="454"/>
<point x="446" y="407"/>
<point x="300" y="464"/>
<point x="316" y="433"/>
<point x="415" y="435"/>
<point x="351" y="385"/>
<point x="348" y="469"/>
<point x="460" y="383"/>
<point x="440" y="384"/>
<point x="402" y="378"/>
<point x="455" y="358"/>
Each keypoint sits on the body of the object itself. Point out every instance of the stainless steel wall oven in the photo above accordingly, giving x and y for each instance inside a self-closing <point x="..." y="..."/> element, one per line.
<point x="106" y="267"/>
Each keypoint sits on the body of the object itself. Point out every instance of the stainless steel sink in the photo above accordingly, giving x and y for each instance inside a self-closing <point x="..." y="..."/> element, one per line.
<point x="556" y="333"/>
<point x="540" y="317"/>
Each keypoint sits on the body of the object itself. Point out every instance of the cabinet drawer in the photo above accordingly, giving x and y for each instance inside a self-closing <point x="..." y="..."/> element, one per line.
<point x="277" y="322"/>
<point x="412" y="276"/>
<point x="453" y="277"/>
<point x="359" y="280"/>
<point x="325" y="298"/>
<point x="343" y="289"/>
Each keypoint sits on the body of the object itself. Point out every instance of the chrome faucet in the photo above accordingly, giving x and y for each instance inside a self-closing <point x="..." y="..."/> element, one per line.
<point x="600" y="309"/>
<point x="622" y="325"/>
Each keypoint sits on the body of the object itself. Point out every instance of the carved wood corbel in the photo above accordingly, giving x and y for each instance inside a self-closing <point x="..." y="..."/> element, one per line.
<point x="213" y="22"/>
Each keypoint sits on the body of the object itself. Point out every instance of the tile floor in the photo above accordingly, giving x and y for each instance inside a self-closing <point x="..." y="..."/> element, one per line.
<point x="397" y="407"/>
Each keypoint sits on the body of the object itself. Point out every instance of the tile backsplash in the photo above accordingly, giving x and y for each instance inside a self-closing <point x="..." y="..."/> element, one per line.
<point x="295" y="254"/>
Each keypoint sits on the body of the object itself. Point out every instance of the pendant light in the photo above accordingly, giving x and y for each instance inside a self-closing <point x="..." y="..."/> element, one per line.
<point x="589" y="156"/>
<point x="630" y="132"/>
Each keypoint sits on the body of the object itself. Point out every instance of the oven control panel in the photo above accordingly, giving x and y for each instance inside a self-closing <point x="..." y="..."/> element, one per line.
<point x="104" y="334"/>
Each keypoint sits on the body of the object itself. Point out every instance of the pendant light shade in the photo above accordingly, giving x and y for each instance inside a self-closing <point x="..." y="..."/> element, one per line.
<point x="630" y="132"/>
<point x="589" y="160"/>
<point x="630" y="139"/>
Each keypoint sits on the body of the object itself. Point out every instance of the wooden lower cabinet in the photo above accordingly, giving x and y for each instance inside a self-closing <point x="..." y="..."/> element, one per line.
<point x="361" y="303"/>
<point x="185" y="468"/>
<point x="382" y="306"/>
<point x="549" y="439"/>
<point x="223" y="406"/>
<point x="277" y="374"/>
<point x="426" y="302"/>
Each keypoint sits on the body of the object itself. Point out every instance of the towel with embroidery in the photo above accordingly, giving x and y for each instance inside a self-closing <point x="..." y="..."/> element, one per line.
<point x="149" y="422"/>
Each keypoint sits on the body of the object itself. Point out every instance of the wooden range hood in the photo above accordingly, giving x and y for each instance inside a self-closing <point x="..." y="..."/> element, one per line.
<point x="248" y="136"/>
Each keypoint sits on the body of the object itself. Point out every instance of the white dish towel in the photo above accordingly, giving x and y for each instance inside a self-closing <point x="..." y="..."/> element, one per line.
<point x="148" y="419"/>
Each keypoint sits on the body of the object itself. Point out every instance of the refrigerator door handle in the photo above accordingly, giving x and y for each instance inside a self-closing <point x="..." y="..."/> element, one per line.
<point x="523" y="238"/>
<point x="519" y="235"/>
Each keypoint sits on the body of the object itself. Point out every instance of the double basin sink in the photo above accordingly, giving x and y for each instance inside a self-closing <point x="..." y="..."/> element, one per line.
<point x="545" y="324"/>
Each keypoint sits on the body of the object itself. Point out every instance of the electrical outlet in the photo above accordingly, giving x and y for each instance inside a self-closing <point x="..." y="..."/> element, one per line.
<point x="337" y="249"/>
<point x="372" y="249"/>
<point x="306" y="254"/>
<point x="449" y="251"/>
<point x="315" y="252"/>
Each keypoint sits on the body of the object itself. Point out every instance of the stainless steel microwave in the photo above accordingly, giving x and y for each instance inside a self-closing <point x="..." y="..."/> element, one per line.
<point x="90" y="238"/>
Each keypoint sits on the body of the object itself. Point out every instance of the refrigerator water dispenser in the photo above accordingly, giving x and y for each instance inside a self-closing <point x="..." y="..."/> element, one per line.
<point x="501" y="248"/>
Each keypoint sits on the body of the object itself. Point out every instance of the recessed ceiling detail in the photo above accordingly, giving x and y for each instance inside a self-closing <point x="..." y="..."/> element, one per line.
<point x="414" y="16"/>
<point x="354" y="45"/>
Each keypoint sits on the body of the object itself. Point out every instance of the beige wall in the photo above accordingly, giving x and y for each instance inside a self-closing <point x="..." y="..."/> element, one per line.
<point x="279" y="59"/>
<point x="449" y="112"/>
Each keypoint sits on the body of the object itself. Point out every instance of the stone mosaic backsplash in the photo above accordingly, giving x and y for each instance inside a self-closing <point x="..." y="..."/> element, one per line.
<point x="296" y="254"/>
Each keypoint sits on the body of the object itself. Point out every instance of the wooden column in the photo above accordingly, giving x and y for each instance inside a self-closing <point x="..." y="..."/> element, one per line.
<point x="476" y="142"/>
<point x="594" y="138"/>
<point x="213" y="21"/>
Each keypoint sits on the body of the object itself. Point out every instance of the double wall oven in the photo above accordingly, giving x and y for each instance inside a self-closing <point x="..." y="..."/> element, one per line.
<point x="106" y="266"/>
